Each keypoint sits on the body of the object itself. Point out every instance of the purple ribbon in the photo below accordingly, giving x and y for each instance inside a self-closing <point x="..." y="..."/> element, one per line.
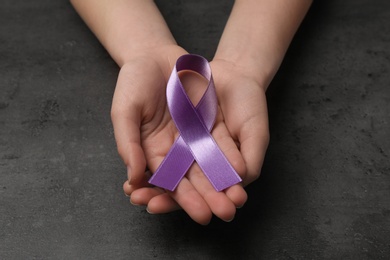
<point x="194" y="125"/>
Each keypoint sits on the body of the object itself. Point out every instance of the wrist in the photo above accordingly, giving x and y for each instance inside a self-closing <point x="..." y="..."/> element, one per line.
<point x="236" y="68"/>
<point x="128" y="52"/>
<point x="125" y="28"/>
<point x="164" y="56"/>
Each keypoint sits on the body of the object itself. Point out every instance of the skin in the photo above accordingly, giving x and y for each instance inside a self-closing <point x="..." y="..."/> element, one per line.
<point x="250" y="51"/>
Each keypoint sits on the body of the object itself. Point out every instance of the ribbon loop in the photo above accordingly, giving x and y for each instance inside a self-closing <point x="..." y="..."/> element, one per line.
<point x="194" y="125"/>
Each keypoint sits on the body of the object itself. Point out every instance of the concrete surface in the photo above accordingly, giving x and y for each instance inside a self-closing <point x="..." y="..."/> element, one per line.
<point x="325" y="188"/>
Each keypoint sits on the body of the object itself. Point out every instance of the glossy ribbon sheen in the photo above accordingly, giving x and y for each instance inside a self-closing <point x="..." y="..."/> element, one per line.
<point x="194" y="125"/>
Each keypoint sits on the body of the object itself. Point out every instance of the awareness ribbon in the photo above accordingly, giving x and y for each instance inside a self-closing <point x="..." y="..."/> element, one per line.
<point x="194" y="125"/>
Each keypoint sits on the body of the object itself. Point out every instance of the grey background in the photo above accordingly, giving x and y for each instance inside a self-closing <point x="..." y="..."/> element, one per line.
<point x="324" y="192"/>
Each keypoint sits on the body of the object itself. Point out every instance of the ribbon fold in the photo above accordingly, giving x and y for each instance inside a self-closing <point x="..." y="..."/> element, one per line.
<point x="194" y="124"/>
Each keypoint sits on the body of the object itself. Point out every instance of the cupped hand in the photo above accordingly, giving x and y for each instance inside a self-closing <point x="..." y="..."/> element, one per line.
<point x="241" y="131"/>
<point x="142" y="125"/>
<point x="144" y="132"/>
<point x="244" y="107"/>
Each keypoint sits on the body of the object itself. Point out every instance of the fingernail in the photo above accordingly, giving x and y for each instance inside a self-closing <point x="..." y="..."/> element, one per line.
<point x="238" y="207"/>
<point x="127" y="195"/>
<point x="134" y="204"/>
<point x="147" y="209"/>
<point x="230" y="220"/>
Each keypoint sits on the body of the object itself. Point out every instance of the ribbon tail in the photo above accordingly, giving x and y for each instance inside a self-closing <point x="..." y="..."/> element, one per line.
<point x="213" y="163"/>
<point x="174" y="166"/>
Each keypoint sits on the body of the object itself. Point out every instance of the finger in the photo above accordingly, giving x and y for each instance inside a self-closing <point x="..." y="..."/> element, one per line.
<point x="142" y="196"/>
<point x="128" y="189"/>
<point x="162" y="203"/>
<point x="126" y="119"/>
<point x="185" y="197"/>
<point x="188" y="198"/>
<point x="237" y="195"/>
<point x="127" y="137"/>
<point x="219" y="203"/>
<point x="254" y="138"/>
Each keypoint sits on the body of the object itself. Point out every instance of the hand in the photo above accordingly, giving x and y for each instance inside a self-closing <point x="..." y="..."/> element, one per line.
<point x="137" y="37"/>
<point x="143" y="129"/>
<point x="244" y="107"/>
<point x="145" y="132"/>
<point x="139" y="111"/>
<point x="195" y="194"/>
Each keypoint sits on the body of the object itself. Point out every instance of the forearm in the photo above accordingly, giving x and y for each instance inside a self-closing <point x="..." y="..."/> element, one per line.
<point x="125" y="27"/>
<point x="258" y="34"/>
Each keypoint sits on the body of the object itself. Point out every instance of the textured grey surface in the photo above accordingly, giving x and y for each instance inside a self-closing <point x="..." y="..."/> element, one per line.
<point x="325" y="188"/>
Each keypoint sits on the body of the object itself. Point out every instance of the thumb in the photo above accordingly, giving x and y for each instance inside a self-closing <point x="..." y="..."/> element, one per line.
<point x="126" y="119"/>
<point x="254" y="138"/>
<point x="127" y="136"/>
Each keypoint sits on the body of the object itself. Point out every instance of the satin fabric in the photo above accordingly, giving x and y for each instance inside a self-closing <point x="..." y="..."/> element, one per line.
<point x="194" y="124"/>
